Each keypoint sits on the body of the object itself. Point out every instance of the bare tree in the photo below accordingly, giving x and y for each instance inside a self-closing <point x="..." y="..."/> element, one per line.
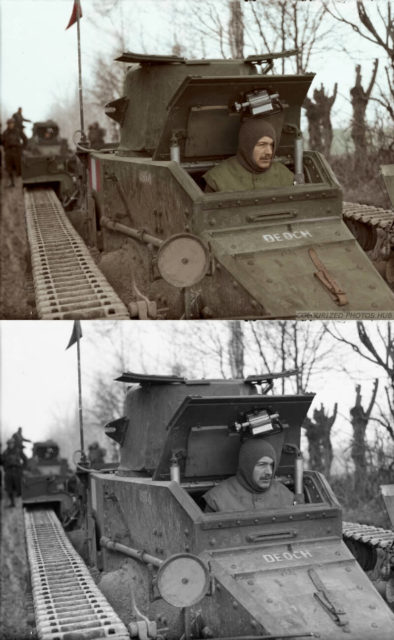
<point x="314" y="124"/>
<point x="379" y="30"/>
<point x="359" y="419"/>
<point x="360" y="99"/>
<point x="285" y="25"/>
<point x="375" y="343"/>
<point x="290" y="345"/>
<point x="324" y="103"/>
<point x="318" y="433"/>
<point x="262" y="26"/>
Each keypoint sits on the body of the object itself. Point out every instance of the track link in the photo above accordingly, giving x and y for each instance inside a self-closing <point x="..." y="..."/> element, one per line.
<point x="374" y="537"/>
<point x="67" y="282"/>
<point x="368" y="214"/>
<point x="369" y="224"/>
<point x="66" y="599"/>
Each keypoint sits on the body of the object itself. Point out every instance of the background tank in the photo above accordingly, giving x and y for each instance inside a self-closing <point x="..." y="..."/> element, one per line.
<point x="170" y="568"/>
<point x="47" y="160"/>
<point x="171" y="250"/>
<point x="48" y="481"/>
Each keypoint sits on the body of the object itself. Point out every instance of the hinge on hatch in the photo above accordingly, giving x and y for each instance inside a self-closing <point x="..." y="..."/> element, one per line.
<point x="327" y="600"/>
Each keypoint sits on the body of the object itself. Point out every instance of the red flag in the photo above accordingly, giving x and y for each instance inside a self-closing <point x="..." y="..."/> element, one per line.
<point x="76" y="333"/>
<point x="73" y="19"/>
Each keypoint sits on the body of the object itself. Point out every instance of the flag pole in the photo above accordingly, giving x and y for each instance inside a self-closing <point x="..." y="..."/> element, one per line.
<point x="80" y="73"/>
<point x="83" y="457"/>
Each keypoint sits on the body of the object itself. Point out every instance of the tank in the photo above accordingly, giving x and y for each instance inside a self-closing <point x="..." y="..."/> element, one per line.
<point x="171" y="569"/>
<point x="48" y="161"/>
<point x="48" y="480"/>
<point x="171" y="250"/>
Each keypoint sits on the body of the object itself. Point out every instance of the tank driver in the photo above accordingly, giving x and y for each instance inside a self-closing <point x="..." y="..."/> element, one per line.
<point x="253" y="487"/>
<point x="253" y="167"/>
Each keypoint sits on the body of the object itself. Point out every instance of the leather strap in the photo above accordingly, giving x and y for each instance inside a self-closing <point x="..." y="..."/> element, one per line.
<point x="327" y="280"/>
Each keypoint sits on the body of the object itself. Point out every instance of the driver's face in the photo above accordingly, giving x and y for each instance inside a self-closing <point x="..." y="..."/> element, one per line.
<point x="263" y="152"/>
<point x="263" y="472"/>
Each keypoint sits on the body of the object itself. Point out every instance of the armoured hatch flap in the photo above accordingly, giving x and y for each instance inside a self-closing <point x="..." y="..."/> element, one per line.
<point x="141" y="378"/>
<point x="200" y="117"/>
<point x="201" y="437"/>
<point x="310" y="265"/>
<point x="303" y="588"/>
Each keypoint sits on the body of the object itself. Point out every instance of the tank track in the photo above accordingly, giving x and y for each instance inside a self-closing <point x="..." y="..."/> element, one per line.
<point x="67" y="602"/>
<point x="373" y="537"/>
<point x="370" y="225"/>
<point x="67" y="282"/>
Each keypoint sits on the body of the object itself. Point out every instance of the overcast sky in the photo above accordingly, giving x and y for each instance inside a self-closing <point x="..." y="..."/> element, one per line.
<point x="39" y="57"/>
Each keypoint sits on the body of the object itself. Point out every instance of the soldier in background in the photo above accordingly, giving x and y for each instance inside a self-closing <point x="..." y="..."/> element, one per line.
<point x="19" y="440"/>
<point x="96" y="454"/>
<point x="96" y="136"/>
<point x="19" y="120"/>
<point x="12" y="143"/>
<point x="12" y="463"/>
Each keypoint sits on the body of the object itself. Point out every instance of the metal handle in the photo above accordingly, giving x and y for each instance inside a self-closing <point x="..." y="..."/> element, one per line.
<point x="262" y="536"/>
<point x="273" y="214"/>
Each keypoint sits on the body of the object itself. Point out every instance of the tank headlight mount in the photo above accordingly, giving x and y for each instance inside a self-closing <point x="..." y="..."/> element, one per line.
<point x="183" y="260"/>
<point x="183" y="580"/>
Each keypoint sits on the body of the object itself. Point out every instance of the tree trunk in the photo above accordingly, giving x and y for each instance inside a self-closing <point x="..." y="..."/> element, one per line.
<point x="318" y="433"/>
<point x="236" y="349"/>
<point x="360" y="99"/>
<point x="236" y="29"/>
<point x="324" y="104"/>
<point x="359" y="420"/>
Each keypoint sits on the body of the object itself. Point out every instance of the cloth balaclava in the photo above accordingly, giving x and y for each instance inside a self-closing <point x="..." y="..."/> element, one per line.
<point x="250" y="452"/>
<point x="250" y="132"/>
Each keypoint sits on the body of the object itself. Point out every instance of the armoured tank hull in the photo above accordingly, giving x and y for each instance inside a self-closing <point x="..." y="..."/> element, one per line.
<point x="281" y="575"/>
<point x="264" y="254"/>
<point x="171" y="249"/>
<point x="278" y="573"/>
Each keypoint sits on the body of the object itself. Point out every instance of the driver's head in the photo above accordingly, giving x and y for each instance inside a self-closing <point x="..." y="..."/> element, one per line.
<point x="256" y="145"/>
<point x="256" y="465"/>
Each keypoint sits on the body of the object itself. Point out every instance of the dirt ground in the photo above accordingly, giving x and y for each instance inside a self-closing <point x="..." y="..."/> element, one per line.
<point x="15" y="606"/>
<point x="16" y="285"/>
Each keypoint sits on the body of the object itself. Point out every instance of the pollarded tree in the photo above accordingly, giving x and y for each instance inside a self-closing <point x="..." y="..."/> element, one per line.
<point x="318" y="433"/>
<point x="376" y="25"/>
<point x="374" y="342"/>
<point x="360" y="98"/>
<point x="360" y="418"/>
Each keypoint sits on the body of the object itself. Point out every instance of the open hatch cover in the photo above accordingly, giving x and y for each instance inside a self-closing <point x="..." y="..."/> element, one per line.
<point x="199" y="435"/>
<point x="200" y="117"/>
<point x="142" y="378"/>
